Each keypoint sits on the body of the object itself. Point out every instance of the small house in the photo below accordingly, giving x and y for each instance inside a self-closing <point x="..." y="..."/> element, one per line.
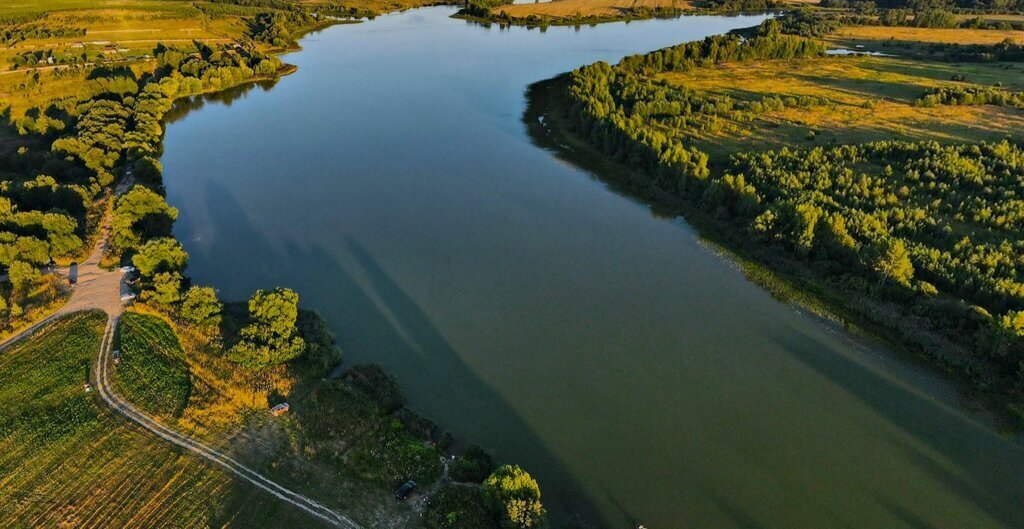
<point x="280" y="409"/>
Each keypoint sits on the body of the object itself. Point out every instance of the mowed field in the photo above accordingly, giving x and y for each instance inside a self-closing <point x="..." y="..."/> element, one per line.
<point x="584" y="8"/>
<point x="869" y="98"/>
<point x="67" y="461"/>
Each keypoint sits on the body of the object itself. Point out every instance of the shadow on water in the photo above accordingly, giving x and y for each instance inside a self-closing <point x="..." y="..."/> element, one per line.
<point x="184" y="106"/>
<point x="975" y="453"/>
<point x="374" y="318"/>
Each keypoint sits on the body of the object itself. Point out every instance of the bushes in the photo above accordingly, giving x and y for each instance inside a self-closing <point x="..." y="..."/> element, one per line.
<point x="971" y="95"/>
<point x="459" y="507"/>
<point x="372" y="380"/>
<point x="472" y="466"/>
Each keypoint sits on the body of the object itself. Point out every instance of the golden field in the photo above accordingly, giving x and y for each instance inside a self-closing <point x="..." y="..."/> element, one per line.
<point x="870" y="98"/>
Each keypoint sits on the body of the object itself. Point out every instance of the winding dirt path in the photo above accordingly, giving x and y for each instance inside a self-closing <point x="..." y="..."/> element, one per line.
<point x="118" y="404"/>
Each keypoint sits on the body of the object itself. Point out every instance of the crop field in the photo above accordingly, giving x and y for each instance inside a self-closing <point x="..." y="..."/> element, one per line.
<point x="152" y="374"/>
<point x="67" y="461"/>
<point x="584" y="8"/>
<point x="869" y="98"/>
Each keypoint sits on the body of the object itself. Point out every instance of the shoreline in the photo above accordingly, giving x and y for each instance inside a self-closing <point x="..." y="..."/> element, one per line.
<point x="544" y="120"/>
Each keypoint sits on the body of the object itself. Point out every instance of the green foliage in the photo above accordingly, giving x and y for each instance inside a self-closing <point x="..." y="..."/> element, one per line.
<point x="160" y="255"/>
<point x="166" y="289"/>
<point x="23" y="275"/>
<point x="892" y="261"/>
<point x="152" y="373"/>
<point x="971" y="95"/>
<point x="516" y="495"/>
<point x="472" y="466"/>
<point x="739" y="6"/>
<point x="459" y="507"/>
<point x="140" y="215"/>
<point x="201" y="307"/>
<point x="344" y="424"/>
<point x="322" y="353"/>
<point x="275" y="27"/>
<point x="377" y="384"/>
<point x="270" y="338"/>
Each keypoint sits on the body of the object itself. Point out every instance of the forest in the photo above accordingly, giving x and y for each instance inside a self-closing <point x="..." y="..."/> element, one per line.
<point x="919" y="238"/>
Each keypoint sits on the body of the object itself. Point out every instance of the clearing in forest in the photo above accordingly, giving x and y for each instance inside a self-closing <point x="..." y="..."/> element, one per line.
<point x="856" y="99"/>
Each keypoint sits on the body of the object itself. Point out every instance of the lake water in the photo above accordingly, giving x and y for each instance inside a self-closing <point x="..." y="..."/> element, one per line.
<point x="528" y="308"/>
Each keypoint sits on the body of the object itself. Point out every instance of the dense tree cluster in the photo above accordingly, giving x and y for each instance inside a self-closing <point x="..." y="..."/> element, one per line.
<point x="818" y="23"/>
<point x="919" y="237"/>
<point x="275" y="27"/>
<point x="610" y="104"/>
<point x="13" y="34"/>
<point x="271" y="337"/>
<point x="210" y="69"/>
<point x="971" y="95"/>
<point x="737" y="6"/>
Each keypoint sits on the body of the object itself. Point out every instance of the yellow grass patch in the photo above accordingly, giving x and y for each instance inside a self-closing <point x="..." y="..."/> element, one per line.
<point x="870" y="98"/>
<point x="927" y="35"/>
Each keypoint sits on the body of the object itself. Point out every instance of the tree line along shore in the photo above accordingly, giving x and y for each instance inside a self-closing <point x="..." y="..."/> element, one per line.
<point x="888" y="187"/>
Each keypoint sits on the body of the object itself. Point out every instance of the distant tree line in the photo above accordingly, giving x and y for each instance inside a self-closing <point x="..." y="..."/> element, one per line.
<point x="971" y="95"/>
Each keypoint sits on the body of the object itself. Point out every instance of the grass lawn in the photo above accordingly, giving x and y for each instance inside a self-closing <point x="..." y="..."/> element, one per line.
<point x="870" y="98"/>
<point x="152" y="373"/>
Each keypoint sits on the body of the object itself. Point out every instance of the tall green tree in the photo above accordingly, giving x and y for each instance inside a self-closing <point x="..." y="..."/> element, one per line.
<point x="892" y="261"/>
<point x="139" y="215"/>
<point x="271" y="337"/>
<point x="160" y="255"/>
<point x="201" y="306"/>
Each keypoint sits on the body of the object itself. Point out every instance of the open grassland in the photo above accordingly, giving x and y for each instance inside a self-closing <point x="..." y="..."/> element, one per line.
<point x="66" y="461"/>
<point x="152" y="373"/>
<point x="586" y="8"/>
<point x="852" y="35"/>
<point x="868" y="98"/>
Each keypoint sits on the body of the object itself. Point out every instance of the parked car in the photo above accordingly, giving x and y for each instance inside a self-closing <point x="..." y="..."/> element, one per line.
<point x="280" y="409"/>
<point x="405" y="490"/>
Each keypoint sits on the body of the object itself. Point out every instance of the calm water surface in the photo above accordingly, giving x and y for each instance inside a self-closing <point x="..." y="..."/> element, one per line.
<point x="526" y="307"/>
